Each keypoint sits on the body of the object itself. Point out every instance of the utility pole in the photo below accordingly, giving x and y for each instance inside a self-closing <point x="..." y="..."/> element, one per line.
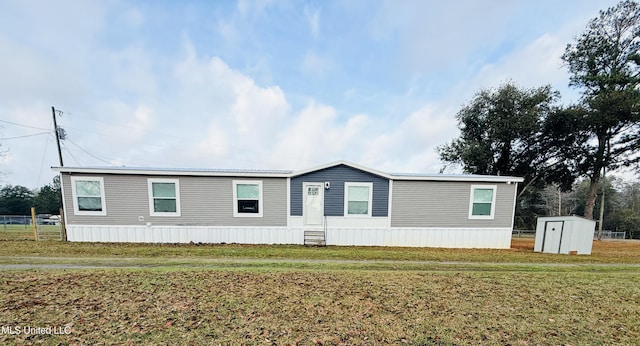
<point x="55" y="128"/>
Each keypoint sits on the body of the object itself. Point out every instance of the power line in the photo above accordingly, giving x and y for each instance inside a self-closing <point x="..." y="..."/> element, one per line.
<point x="90" y="154"/>
<point x="70" y="154"/>
<point x="27" y="126"/>
<point x="25" y="136"/>
<point x="44" y="156"/>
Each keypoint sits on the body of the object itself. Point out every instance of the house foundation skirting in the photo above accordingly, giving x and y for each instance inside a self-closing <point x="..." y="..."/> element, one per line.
<point x="497" y="238"/>
<point x="183" y="234"/>
<point x="492" y="238"/>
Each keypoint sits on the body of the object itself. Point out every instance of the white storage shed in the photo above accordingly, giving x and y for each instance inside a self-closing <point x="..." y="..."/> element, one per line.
<point x="564" y="235"/>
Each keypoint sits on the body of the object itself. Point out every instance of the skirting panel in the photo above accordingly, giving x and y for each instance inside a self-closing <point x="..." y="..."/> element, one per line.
<point x="184" y="234"/>
<point x="494" y="238"/>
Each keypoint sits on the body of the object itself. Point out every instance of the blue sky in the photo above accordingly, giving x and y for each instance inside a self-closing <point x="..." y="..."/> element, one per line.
<point x="263" y="84"/>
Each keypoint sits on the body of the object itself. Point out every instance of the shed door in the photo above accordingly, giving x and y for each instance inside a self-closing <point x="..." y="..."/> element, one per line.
<point x="552" y="236"/>
<point x="313" y="204"/>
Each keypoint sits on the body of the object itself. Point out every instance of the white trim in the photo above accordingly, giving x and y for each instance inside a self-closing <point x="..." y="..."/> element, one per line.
<point x="74" y="195"/>
<point x="152" y="211"/>
<point x="347" y="184"/>
<point x="288" y="202"/>
<point x="493" y="202"/>
<point x="513" y="211"/>
<point x="390" y="205"/>
<point x="65" y="207"/>
<point x="235" y="198"/>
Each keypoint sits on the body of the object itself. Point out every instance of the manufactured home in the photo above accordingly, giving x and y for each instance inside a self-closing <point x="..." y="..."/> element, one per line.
<point x="340" y="203"/>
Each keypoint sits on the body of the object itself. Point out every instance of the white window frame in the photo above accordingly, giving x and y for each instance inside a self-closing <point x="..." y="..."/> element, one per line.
<point x="235" y="198"/>
<point x="346" y="199"/>
<point x="74" y="193"/>
<point x="493" y="202"/>
<point x="152" y="211"/>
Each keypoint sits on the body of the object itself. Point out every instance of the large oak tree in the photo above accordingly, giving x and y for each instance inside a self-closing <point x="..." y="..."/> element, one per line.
<point x="604" y="63"/>
<point x="501" y="133"/>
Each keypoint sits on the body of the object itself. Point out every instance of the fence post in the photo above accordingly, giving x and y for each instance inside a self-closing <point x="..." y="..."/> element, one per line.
<point x="63" y="225"/>
<point x="35" y="223"/>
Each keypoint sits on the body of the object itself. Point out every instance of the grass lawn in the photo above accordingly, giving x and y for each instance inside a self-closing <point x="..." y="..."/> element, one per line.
<point x="264" y="295"/>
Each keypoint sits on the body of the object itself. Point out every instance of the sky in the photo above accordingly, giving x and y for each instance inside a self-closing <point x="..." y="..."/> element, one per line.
<point x="264" y="84"/>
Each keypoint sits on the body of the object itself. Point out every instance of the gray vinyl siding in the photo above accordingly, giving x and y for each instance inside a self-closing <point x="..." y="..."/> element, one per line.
<point x="334" y="197"/>
<point x="446" y="204"/>
<point x="204" y="201"/>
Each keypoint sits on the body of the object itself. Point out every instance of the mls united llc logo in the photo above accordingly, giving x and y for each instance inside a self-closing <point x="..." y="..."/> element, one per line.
<point x="30" y="330"/>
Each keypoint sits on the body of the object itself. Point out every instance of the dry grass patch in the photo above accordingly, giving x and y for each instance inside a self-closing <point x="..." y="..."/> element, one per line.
<point x="521" y="251"/>
<point x="195" y="307"/>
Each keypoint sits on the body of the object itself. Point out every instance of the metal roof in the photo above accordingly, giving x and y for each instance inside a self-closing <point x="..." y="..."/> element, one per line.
<point x="283" y="173"/>
<point x="175" y="171"/>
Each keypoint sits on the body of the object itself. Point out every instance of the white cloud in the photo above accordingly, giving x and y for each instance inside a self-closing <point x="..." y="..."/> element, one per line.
<point x="315" y="65"/>
<point x="246" y="7"/>
<point x="241" y="117"/>
<point x="436" y="35"/>
<point x="216" y="144"/>
<point x="133" y="71"/>
<point x="316" y="135"/>
<point x="313" y="18"/>
<point x="410" y="145"/>
<point x="250" y="89"/>
<point x="133" y="17"/>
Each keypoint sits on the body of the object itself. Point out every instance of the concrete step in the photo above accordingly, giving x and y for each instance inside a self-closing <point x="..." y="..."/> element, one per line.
<point x="314" y="237"/>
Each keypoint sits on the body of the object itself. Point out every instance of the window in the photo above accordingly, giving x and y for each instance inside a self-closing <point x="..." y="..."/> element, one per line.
<point x="482" y="201"/>
<point x="247" y="198"/>
<point x="164" y="197"/>
<point x="357" y="199"/>
<point x="88" y="196"/>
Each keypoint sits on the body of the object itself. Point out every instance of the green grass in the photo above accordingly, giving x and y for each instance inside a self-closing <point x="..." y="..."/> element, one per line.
<point x="253" y="295"/>
<point x="520" y="252"/>
<point x="280" y="307"/>
<point x="25" y="232"/>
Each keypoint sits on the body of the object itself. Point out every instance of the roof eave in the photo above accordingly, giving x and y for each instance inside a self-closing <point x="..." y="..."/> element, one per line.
<point x="462" y="178"/>
<point x="165" y="172"/>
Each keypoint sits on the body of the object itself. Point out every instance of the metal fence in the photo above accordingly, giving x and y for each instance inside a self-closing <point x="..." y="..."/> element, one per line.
<point x="524" y="233"/>
<point x="517" y="233"/>
<point x="610" y="235"/>
<point x="47" y="226"/>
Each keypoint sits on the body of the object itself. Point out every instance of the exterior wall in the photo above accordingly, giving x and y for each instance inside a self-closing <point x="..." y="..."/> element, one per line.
<point x="334" y="197"/>
<point x="205" y="201"/>
<point x="446" y="204"/>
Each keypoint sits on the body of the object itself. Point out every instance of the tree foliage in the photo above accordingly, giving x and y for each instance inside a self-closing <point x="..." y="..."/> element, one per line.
<point x="501" y="134"/>
<point x="48" y="199"/>
<point x="604" y="63"/>
<point x="15" y="200"/>
<point x="18" y="200"/>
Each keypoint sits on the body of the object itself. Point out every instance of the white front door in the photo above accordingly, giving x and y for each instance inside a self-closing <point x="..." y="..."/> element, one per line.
<point x="313" y="204"/>
<point x="552" y="237"/>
